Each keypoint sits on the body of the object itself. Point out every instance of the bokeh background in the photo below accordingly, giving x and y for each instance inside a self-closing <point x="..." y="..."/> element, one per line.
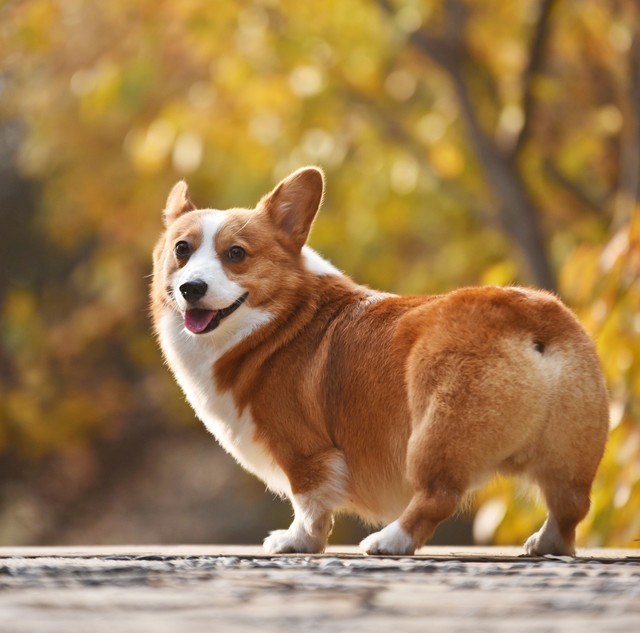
<point x="464" y="142"/>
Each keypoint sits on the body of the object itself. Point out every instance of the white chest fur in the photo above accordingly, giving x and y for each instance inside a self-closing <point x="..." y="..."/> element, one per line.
<point x="191" y="358"/>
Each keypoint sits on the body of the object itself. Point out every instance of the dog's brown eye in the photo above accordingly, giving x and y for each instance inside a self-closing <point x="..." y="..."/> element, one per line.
<point x="182" y="249"/>
<point x="236" y="254"/>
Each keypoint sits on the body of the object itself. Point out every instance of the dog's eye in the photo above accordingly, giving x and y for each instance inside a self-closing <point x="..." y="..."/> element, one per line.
<point x="182" y="249"/>
<point x="236" y="254"/>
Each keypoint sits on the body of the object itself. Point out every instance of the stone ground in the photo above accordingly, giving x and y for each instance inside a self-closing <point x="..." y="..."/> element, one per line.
<point x="179" y="589"/>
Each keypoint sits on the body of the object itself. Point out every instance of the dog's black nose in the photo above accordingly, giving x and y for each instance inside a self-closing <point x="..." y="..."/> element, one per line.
<point x="193" y="290"/>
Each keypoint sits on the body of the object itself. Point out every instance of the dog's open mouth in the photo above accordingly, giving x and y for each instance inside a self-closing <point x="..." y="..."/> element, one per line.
<point x="199" y="321"/>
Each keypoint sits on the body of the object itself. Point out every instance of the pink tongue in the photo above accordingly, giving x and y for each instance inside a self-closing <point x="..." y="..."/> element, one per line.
<point x="197" y="320"/>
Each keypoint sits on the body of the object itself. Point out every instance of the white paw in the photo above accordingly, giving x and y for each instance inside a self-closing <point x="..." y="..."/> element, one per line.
<point x="548" y="540"/>
<point x="291" y="541"/>
<point x="392" y="541"/>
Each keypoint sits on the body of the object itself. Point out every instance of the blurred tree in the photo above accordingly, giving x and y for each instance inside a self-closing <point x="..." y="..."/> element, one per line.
<point x="464" y="142"/>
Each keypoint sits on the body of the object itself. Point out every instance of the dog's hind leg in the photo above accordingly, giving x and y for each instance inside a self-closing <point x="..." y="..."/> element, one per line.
<point x="459" y="437"/>
<point x="439" y="479"/>
<point x="416" y="525"/>
<point x="566" y="485"/>
<point x="568" y="504"/>
<point x="436" y="497"/>
<point x="568" y="456"/>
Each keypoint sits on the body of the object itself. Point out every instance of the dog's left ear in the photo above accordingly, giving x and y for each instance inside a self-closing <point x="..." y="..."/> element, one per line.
<point x="178" y="203"/>
<point x="293" y="204"/>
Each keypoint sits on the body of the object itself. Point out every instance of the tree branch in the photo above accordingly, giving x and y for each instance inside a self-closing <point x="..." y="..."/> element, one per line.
<point x="394" y="130"/>
<point x="536" y="60"/>
<point x="518" y="214"/>
<point x="595" y="207"/>
<point x="439" y="49"/>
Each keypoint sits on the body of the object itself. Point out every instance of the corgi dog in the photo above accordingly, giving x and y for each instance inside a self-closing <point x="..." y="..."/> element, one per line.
<point x="344" y="399"/>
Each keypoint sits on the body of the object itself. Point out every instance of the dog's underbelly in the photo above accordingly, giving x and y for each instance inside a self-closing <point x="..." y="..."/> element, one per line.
<point x="192" y="362"/>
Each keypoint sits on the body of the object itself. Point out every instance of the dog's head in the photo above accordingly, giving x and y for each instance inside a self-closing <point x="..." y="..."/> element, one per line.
<point x="212" y="266"/>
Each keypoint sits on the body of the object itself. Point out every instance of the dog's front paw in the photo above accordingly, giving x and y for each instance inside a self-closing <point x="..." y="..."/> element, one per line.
<point x="390" y="541"/>
<point x="291" y="541"/>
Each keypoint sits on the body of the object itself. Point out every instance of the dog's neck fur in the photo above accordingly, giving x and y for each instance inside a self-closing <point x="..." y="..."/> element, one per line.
<point x="320" y="300"/>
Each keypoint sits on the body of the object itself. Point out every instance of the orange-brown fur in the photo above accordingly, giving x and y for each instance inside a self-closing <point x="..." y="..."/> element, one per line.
<point x="424" y="397"/>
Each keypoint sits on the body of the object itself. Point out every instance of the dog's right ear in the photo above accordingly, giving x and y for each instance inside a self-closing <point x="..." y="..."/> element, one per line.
<point x="293" y="204"/>
<point x="178" y="203"/>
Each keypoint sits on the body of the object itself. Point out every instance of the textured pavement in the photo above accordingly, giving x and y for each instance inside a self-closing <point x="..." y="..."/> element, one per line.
<point x="223" y="588"/>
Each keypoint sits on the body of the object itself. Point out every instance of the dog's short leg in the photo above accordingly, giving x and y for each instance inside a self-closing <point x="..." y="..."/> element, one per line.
<point x="549" y="540"/>
<point x="415" y="526"/>
<point x="313" y="509"/>
<point x="439" y="478"/>
<point x="307" y="534"/>
<point x="567" y="507"/>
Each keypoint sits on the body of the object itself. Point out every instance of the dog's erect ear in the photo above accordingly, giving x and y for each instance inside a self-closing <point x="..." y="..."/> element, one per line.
<point x="293" y="204"/>
<point x="177" y="203"/>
